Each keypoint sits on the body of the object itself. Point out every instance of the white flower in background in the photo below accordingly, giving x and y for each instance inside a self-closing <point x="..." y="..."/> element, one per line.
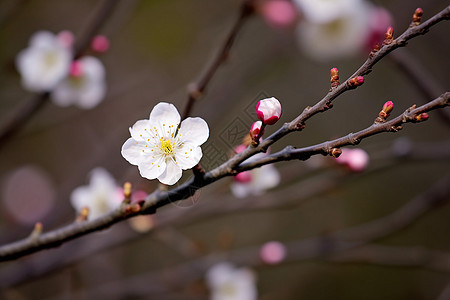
<point x="85" y="86"/>
<point x="256" y="181"/>
<point x="100" y="196"/>
<point x="229" y="283"/>
<point x="44" y="63"/>
<point x="159" y="150"/>
<point x="332" y="29"/>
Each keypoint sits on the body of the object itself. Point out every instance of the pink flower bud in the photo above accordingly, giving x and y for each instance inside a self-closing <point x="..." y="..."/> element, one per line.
<point x="417" y="17"/>
<point x="355" y="81"/>
<point x="268" y="110"/>
<point x="388" y="107"/>
<point x="355" y="160"/>
<point x="256" y="129"/>
<point x="76" y="69"/>
<point x="279" y="13"/>
<point x="243" y="177"/>
<point x="334" y="75"/>
<point x="66" y="38"/>
<point x="272" y="252"/>
<point x="422" y="117"/>
<point x="100" y="44"/>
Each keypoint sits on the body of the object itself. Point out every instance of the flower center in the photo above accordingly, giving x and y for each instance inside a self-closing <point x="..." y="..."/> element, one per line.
<point x="167" y="146"/>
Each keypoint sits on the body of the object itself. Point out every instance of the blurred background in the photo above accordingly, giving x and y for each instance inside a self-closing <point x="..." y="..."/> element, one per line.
<point x="159" y="47"/>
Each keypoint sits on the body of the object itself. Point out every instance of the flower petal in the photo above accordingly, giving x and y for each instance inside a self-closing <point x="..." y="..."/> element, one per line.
<point x="138" y="131"/>
<point x="133" y="152"/>
<point x="171" y="174"/>
<point x="194" y="131"/>
<point x="165" y="113"/>
<point x="152" y="167"/>
<point x="188" y="156"/>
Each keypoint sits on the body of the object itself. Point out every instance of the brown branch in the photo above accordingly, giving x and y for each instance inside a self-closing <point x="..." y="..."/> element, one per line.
<point x="18" y="118"/>
<point x="184" y="191"/>
<point x="197" y="89"/>
<point x="419" y="78"/>
<point x="326" y="103"/>
<point x="394" y="125"/>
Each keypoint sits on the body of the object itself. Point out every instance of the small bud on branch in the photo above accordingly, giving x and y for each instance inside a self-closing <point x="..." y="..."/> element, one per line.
<point x="335" y="152"/>
<point x="385" y="111"/>
<point x="334" y="74"/>
<point x="388" y="36"/>
<point x="422" y="117"/>
<point x="84" y="213"/>
<point x="355" y="82"/>
<point x="417" y="17"/>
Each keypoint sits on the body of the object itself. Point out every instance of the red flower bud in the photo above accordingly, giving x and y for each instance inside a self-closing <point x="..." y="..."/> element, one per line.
<point x="422" y="117"/>
<point x="334" y="74"/>
<point x="256" y="129"/>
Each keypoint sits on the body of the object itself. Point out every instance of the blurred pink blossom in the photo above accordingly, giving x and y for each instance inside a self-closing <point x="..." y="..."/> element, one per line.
<point x="100" y="44"/>
<point x="272" y="252"/>
<point x="355" y="160"/>
<point x="279" y="13"/>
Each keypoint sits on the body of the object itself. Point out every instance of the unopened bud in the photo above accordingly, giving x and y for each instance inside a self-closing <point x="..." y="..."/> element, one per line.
<point x="278" y="13"/>
<point x="132" y="208"/>
<point x="387" y="108"/>
<point x="388" y="36"/>
<point x="355" y="81"/>
<point x="355" y="160"/>
<point x="269" y="110"/>
<point x="255" y="130"/>
<point x="335" y="152"/>
<point x="37" y="230"/>
<point x="100" y="44"/>
<point x="422" y="117"/>
<point x="334" y="75"/>
<point x="417" y="17"/>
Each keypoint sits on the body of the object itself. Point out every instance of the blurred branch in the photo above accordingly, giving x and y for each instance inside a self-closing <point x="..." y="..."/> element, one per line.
<point x="21" y="115"/>
<point x="231" y="167"/>
<point x="197" y="89"/>
<point x="419" y="78"/>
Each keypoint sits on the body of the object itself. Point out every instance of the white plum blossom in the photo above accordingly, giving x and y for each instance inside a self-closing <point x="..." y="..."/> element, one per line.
<point x="45" y="62"/>
<point x="229" y="283"/>
<point x="85" y="86"/>
<point x="332" y="29"/>
<point x="159" y="149"/>
<point x="101" y="195"/>
<point x="256" y="181"/>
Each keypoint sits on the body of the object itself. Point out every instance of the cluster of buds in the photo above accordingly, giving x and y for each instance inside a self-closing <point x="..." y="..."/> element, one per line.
<point x="269" y="112"/>
<point x="334" y="78"/>
<point x="388" y="36"/>
<point x="422" y="117"/>
<point x="385" y="111"/>
<point x="355" y="81"/>
<point x="417" y="17"/>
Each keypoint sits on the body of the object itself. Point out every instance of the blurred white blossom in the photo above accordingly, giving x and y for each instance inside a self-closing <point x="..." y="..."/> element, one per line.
<point x="159" y="150"/>
<point x="332" y="29"/>
<point x="85" y="86"/>
<point x="101" y="196"/>
<point x="256" y="181"/>
<point x="229" y="283"/>
<point x="44" y="63"/>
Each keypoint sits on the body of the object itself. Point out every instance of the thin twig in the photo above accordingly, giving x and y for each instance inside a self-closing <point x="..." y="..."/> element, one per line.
<point x="198" y="88"/>
<point x="419" y="78"/>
